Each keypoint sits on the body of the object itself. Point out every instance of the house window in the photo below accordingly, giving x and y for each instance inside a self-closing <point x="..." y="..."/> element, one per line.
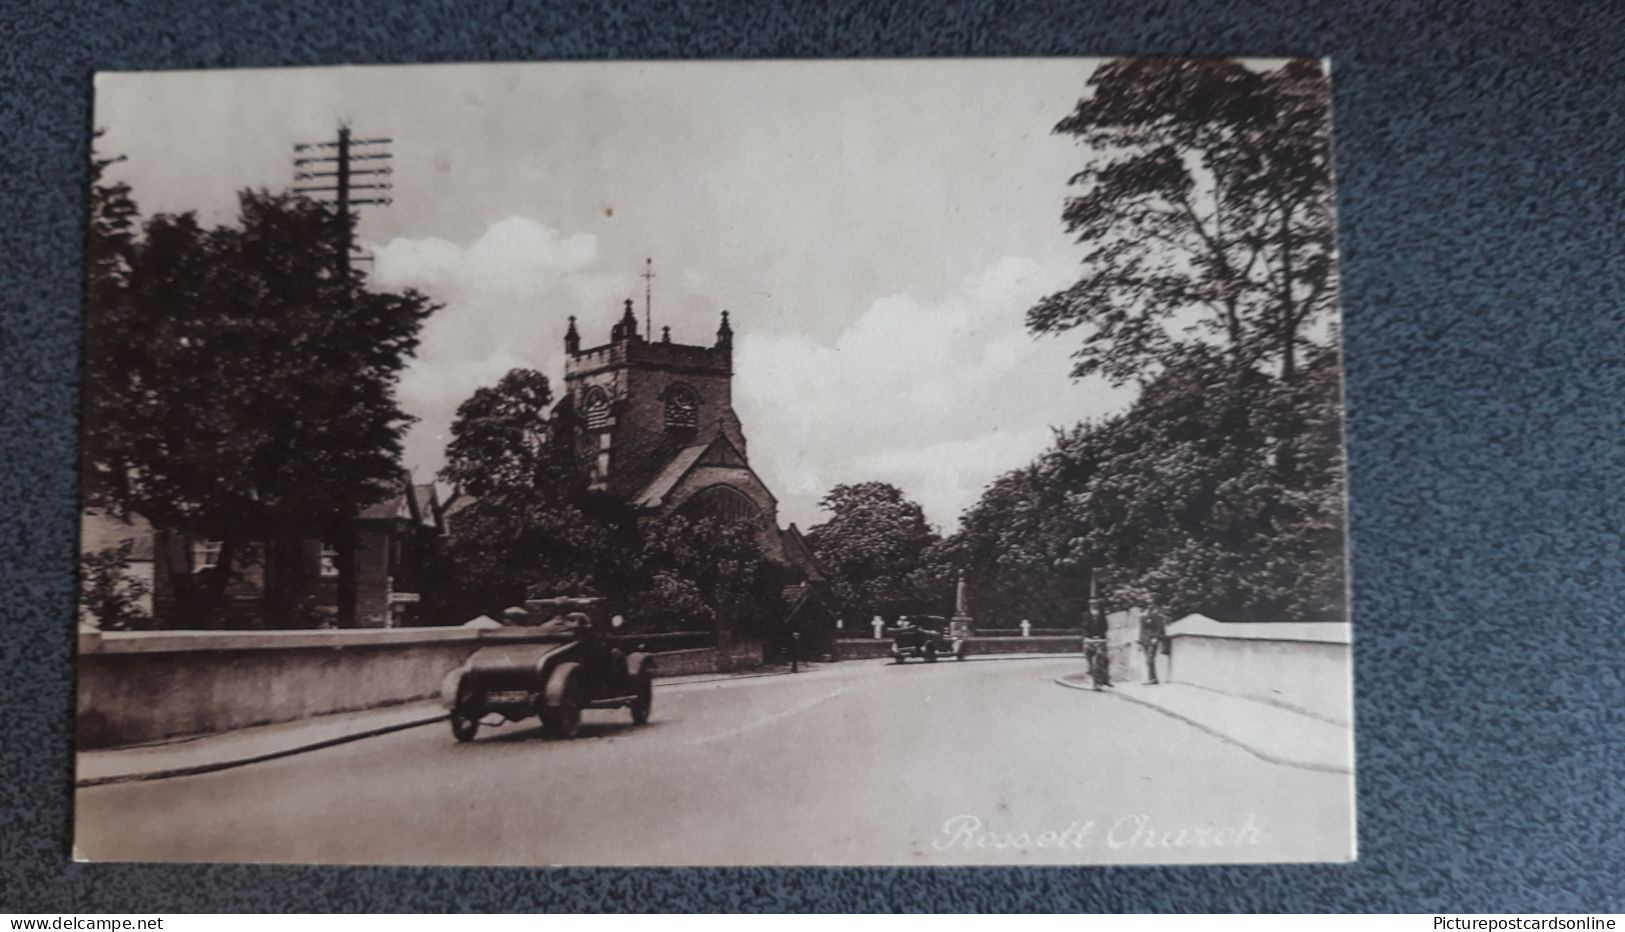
<point x="682" y="408"/>
<point x="597" y="409"/>
<point x="205" y="555"/>
<point x="330" y="559"/>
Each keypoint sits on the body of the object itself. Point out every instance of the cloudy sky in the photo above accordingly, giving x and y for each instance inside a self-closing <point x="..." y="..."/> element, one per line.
<point x="877" y="230"/>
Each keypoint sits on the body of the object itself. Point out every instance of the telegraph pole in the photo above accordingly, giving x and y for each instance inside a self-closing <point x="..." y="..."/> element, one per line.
<point x="336" y="160"/>
<point x="332" y="167"/>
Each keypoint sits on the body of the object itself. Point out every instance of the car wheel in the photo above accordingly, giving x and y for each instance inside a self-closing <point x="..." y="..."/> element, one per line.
<point x="563" y="720"/>
<point x="465" y="716"/>
<point x="561" y="703"/>
<point x="645" y="701"/>
<point x="930" y="653"/>
<point x="959" y="652"/>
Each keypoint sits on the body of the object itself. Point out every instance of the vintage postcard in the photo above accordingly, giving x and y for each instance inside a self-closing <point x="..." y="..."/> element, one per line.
<point x="794" y="463"/>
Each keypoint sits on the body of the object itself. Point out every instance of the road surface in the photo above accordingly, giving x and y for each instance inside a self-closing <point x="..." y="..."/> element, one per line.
<point x="986" y="761"/>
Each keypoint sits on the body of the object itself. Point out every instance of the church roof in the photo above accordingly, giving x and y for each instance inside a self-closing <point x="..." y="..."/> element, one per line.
<point x="796" y="545"/>
<point x="668" y="477"/>
<point x="723" y="453"/>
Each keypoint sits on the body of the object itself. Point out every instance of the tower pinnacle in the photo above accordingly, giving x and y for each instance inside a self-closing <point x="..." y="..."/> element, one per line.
<point x="628" y="327"/>
<point x="725" y="334"/>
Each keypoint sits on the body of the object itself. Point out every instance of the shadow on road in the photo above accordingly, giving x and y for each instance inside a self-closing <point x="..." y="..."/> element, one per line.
<point x="531" y="731"/>
<point x="975" y="659"/>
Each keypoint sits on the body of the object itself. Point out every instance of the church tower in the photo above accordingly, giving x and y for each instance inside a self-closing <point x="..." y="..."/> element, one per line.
<point x="656" y="421"/>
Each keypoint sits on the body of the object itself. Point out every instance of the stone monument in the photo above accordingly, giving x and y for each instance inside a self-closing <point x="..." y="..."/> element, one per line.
<point x="961" y="625"/>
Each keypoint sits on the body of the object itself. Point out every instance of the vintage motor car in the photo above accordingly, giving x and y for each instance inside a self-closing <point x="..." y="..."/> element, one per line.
<point x="570" y="663"/>
<point x="926" y="637"/>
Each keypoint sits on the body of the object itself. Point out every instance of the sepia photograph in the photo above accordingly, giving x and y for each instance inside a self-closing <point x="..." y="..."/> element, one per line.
<point x="927" y="462"/>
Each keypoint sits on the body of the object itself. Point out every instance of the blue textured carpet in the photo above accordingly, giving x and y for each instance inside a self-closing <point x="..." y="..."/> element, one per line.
<point x="1483" y="200"/>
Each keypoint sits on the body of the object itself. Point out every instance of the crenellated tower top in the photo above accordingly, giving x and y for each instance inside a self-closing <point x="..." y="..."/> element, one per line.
<point x="642" y="401"/>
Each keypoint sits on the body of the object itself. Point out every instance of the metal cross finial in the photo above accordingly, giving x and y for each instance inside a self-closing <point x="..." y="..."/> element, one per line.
<point x="648" y="279"/>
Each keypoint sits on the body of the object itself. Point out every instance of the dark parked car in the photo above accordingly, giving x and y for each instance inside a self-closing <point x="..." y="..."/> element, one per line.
<point x="926" y="637"/>
<point x="571" y="664"/>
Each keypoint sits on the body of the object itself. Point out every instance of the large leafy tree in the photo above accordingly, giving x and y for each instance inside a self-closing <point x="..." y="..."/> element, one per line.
<point x="518" y="543"/>
<point x="1026" y="546"/>
<point x="502" y="438"/>
<point x="533" y="528"/>
<point x="707" y="572"/>
<point x="236" y="387"/>
<point x="1178" y="505"/>
<point x="1205" y="207"/>
<point x="536" y="529"/>
<point x="874" y="546"/>
<point x="1217" y="525"/>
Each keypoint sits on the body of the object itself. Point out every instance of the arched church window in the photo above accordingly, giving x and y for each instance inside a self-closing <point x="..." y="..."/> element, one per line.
<point x="596" y="409"/>
<point x="682" y="408"/>
<point x="721" y="501"/>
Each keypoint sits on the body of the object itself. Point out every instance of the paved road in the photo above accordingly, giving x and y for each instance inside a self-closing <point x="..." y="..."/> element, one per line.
<point x="855" y="763"/>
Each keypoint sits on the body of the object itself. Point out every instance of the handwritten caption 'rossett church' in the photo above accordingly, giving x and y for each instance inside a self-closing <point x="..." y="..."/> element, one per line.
<point x="966" y="832"/>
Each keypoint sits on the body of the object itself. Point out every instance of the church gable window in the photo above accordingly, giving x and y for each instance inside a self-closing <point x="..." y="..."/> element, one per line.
<point x="721" y="501"/>
<point x="682" y="408"/>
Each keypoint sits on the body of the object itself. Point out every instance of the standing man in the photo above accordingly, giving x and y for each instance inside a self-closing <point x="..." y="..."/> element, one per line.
<point x="1095" y="643"/>
<point x="1151" y="635"/>
<point x="1098" y="647"/>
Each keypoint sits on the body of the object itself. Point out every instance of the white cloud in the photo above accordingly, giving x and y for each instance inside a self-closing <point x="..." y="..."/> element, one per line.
<point x="695" y="281"/>
<point x="506" y="296"/>
<point x="947" y="477"/>
<point x="936" y="396"/>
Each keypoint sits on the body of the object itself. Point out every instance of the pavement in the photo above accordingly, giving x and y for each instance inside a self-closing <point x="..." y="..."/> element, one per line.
<point x="1270" y="732"/>
<point x="208" y="753"/>
<point x="861" y="762"/>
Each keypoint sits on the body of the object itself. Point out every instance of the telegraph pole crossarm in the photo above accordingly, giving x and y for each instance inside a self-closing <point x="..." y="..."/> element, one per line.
<point x="335" y="160"/>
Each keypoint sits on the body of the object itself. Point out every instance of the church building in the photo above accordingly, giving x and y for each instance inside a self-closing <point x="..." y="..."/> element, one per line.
<point x="655" y="420"/>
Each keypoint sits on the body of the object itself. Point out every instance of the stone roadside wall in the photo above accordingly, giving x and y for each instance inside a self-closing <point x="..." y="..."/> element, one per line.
<point x="137" y="687"/>
<point x="1306" y="667"/>
<point x="871" y="648"/>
